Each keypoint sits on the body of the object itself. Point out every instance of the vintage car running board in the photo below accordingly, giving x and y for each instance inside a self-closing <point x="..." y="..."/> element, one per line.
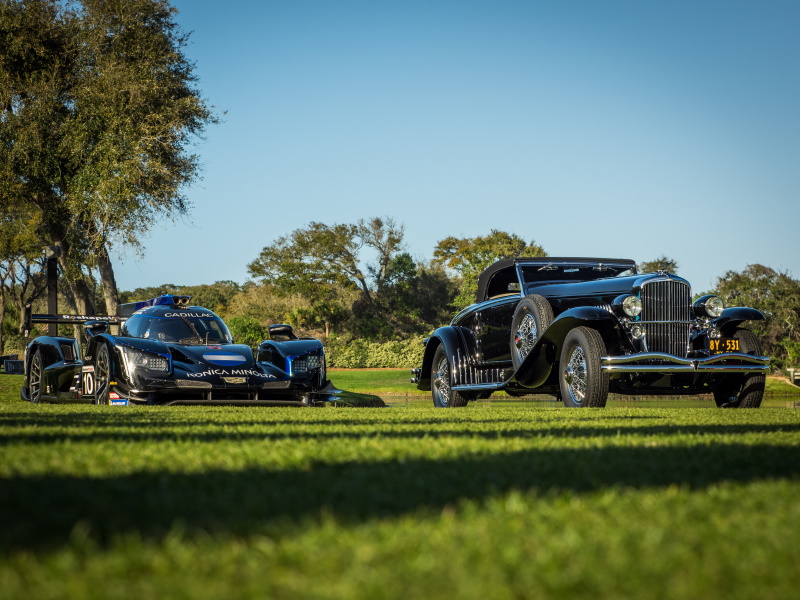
<point x="480" y="387"/>
<point x="717" y="363"/>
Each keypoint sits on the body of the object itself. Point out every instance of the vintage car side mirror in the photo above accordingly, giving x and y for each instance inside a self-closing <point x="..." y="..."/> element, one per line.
<point x="282" y="331"/>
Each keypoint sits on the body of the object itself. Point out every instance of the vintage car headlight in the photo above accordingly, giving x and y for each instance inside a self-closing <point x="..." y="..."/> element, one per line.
<point x="146" y="360"/>
<point x="708" y="306"/>
<point x="628" y="305"/>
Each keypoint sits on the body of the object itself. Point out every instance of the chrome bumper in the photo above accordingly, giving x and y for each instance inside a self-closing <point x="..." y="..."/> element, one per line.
<point x="732" y="362"/>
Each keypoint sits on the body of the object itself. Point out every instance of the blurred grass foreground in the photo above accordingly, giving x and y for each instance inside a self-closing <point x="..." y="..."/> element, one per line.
<point x="492" y="501"/>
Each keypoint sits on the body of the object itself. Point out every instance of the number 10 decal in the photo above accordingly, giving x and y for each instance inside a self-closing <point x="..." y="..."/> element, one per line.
<point x="87" y="383"/>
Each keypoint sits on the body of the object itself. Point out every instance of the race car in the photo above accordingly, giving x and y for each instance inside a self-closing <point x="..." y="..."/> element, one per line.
<point x="168" y="352"/>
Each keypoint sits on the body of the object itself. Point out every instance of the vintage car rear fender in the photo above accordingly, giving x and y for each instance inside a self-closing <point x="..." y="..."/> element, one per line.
<point x="536" y="368"/>
<point x="458" y="343"/>
<point x="736" y="315"/>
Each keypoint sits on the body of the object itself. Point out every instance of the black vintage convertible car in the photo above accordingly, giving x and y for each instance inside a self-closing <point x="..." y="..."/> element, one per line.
<point x="170" y="353"/>
<point x="578" y="328"/>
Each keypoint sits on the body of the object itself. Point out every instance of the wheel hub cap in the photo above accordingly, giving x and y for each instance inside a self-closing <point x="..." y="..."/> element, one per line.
<point x="526" y="336"/>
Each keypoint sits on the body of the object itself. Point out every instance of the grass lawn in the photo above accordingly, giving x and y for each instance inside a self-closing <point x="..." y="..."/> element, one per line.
<point x="376" y="381"/>
<point x="398" y="382"/>
<point x="489" y="501"/>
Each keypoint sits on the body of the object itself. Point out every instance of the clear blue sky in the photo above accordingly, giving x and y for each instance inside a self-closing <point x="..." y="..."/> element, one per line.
<point x="616" y="128"/>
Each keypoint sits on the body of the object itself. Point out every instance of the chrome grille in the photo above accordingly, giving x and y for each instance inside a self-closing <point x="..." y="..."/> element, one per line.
<point x="667" y="313"/>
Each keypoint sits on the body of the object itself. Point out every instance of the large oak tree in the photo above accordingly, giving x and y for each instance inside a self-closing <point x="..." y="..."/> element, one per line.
<point x="98" y="113"/>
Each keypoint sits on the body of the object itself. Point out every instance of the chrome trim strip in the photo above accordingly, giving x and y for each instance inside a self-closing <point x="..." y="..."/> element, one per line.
<point x="478" y="387"/>
<point x="717" y="363"/>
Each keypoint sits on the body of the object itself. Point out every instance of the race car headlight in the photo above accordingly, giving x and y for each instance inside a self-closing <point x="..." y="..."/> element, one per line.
<point x="145" y="360"/>
<point x="306" y="363"/>
<point x="628" y="305"/>
<point x="708" y="306"/>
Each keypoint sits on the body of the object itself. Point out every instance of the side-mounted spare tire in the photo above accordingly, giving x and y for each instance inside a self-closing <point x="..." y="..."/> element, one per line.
<point x="531" y="317"/>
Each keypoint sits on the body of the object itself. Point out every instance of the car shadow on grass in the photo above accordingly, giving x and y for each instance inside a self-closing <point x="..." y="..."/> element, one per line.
<point x="41" y="512"/>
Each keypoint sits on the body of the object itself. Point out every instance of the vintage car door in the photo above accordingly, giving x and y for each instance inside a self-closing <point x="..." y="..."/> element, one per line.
<point x="492" y="327"/>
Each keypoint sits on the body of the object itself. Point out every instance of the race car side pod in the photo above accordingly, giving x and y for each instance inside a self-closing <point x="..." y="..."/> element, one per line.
<point x="29" y="318"/>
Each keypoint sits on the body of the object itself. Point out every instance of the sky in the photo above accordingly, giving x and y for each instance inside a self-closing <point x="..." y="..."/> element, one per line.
<point x="622" y="129"/>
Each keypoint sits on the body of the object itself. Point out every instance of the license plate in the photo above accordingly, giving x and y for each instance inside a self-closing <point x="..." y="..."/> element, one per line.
<point x="723" y="345"/>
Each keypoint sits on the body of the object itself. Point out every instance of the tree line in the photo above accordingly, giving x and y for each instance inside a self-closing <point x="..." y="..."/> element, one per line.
<point x="99" y="110"/>
<point x="356" y="284"/>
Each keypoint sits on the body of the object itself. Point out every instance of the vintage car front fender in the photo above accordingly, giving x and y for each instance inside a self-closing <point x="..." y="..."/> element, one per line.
<point x="537" y="366"/>
<point x="734" y="316"/>
<point x="458" y="342"/>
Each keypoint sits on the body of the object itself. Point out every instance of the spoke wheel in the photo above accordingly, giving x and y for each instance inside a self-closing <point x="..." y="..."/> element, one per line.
<point x="581" y="381"/>
<point x="575" y="375"/>
<point x="35" y="378"/>
<point x="441" y="383"/>
<point x="525" y="336"/>
<point x="102" y="372"/>
<point x="532" y="317"/>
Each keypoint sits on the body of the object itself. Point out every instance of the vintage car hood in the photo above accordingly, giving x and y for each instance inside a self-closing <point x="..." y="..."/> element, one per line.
<point x="598" y="287"/>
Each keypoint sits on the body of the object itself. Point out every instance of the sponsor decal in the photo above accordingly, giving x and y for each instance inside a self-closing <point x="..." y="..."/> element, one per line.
<point x="88" y="368"/>
<point x="234" y="379"/>
<point x="225" y="359"/>
<point x="187" y="314"/>
<point x="214" y="347"/>
<point x="119" y="402"/>
<point x="229" y="372"/>
<point x="88" y="382"/>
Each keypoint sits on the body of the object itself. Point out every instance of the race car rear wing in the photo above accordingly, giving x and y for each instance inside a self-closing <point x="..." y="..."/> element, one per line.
<point x="29" y="318"/>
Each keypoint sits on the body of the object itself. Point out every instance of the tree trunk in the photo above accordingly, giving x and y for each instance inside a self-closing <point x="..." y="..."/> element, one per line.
<point x="74" y="278"/>
<point x="2" y="317"/>
<point x="110" y="293"/>
<point x="79" y="289"/>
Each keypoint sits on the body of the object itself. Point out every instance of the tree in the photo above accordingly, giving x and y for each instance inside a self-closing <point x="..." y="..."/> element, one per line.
<point x="356" y="276"/>
<point x="21" y="267"/>
<point x="469" y="256"/>
<point x="97" y="114"/>
<point x="662" y="263"/>
<point x="777" y="295"/>
<point x="322" y="261"/>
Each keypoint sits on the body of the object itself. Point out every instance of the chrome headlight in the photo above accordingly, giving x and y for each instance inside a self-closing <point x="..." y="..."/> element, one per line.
<point x="144" y="360"/>
<point x="708" y="306"/>
<point x="628" y="305"/>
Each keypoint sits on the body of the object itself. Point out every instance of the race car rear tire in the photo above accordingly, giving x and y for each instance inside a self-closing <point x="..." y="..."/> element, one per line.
<point x="35" y="376"/>
<point x="742" y="391"/>
<point x="441" y="380"/>
<point x="102" y="373"/>
<point x="582" y="382"/>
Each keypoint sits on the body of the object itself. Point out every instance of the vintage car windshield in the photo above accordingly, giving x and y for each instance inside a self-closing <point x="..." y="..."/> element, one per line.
<point x="185" y="329"/>
<point x="559" y="273"/>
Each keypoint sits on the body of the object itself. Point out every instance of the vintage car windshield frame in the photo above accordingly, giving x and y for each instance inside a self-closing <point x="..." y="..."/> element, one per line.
<point x="570" y="271"/>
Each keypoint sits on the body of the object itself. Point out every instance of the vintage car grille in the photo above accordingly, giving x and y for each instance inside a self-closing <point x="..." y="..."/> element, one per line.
<point x="666" y="313"/>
